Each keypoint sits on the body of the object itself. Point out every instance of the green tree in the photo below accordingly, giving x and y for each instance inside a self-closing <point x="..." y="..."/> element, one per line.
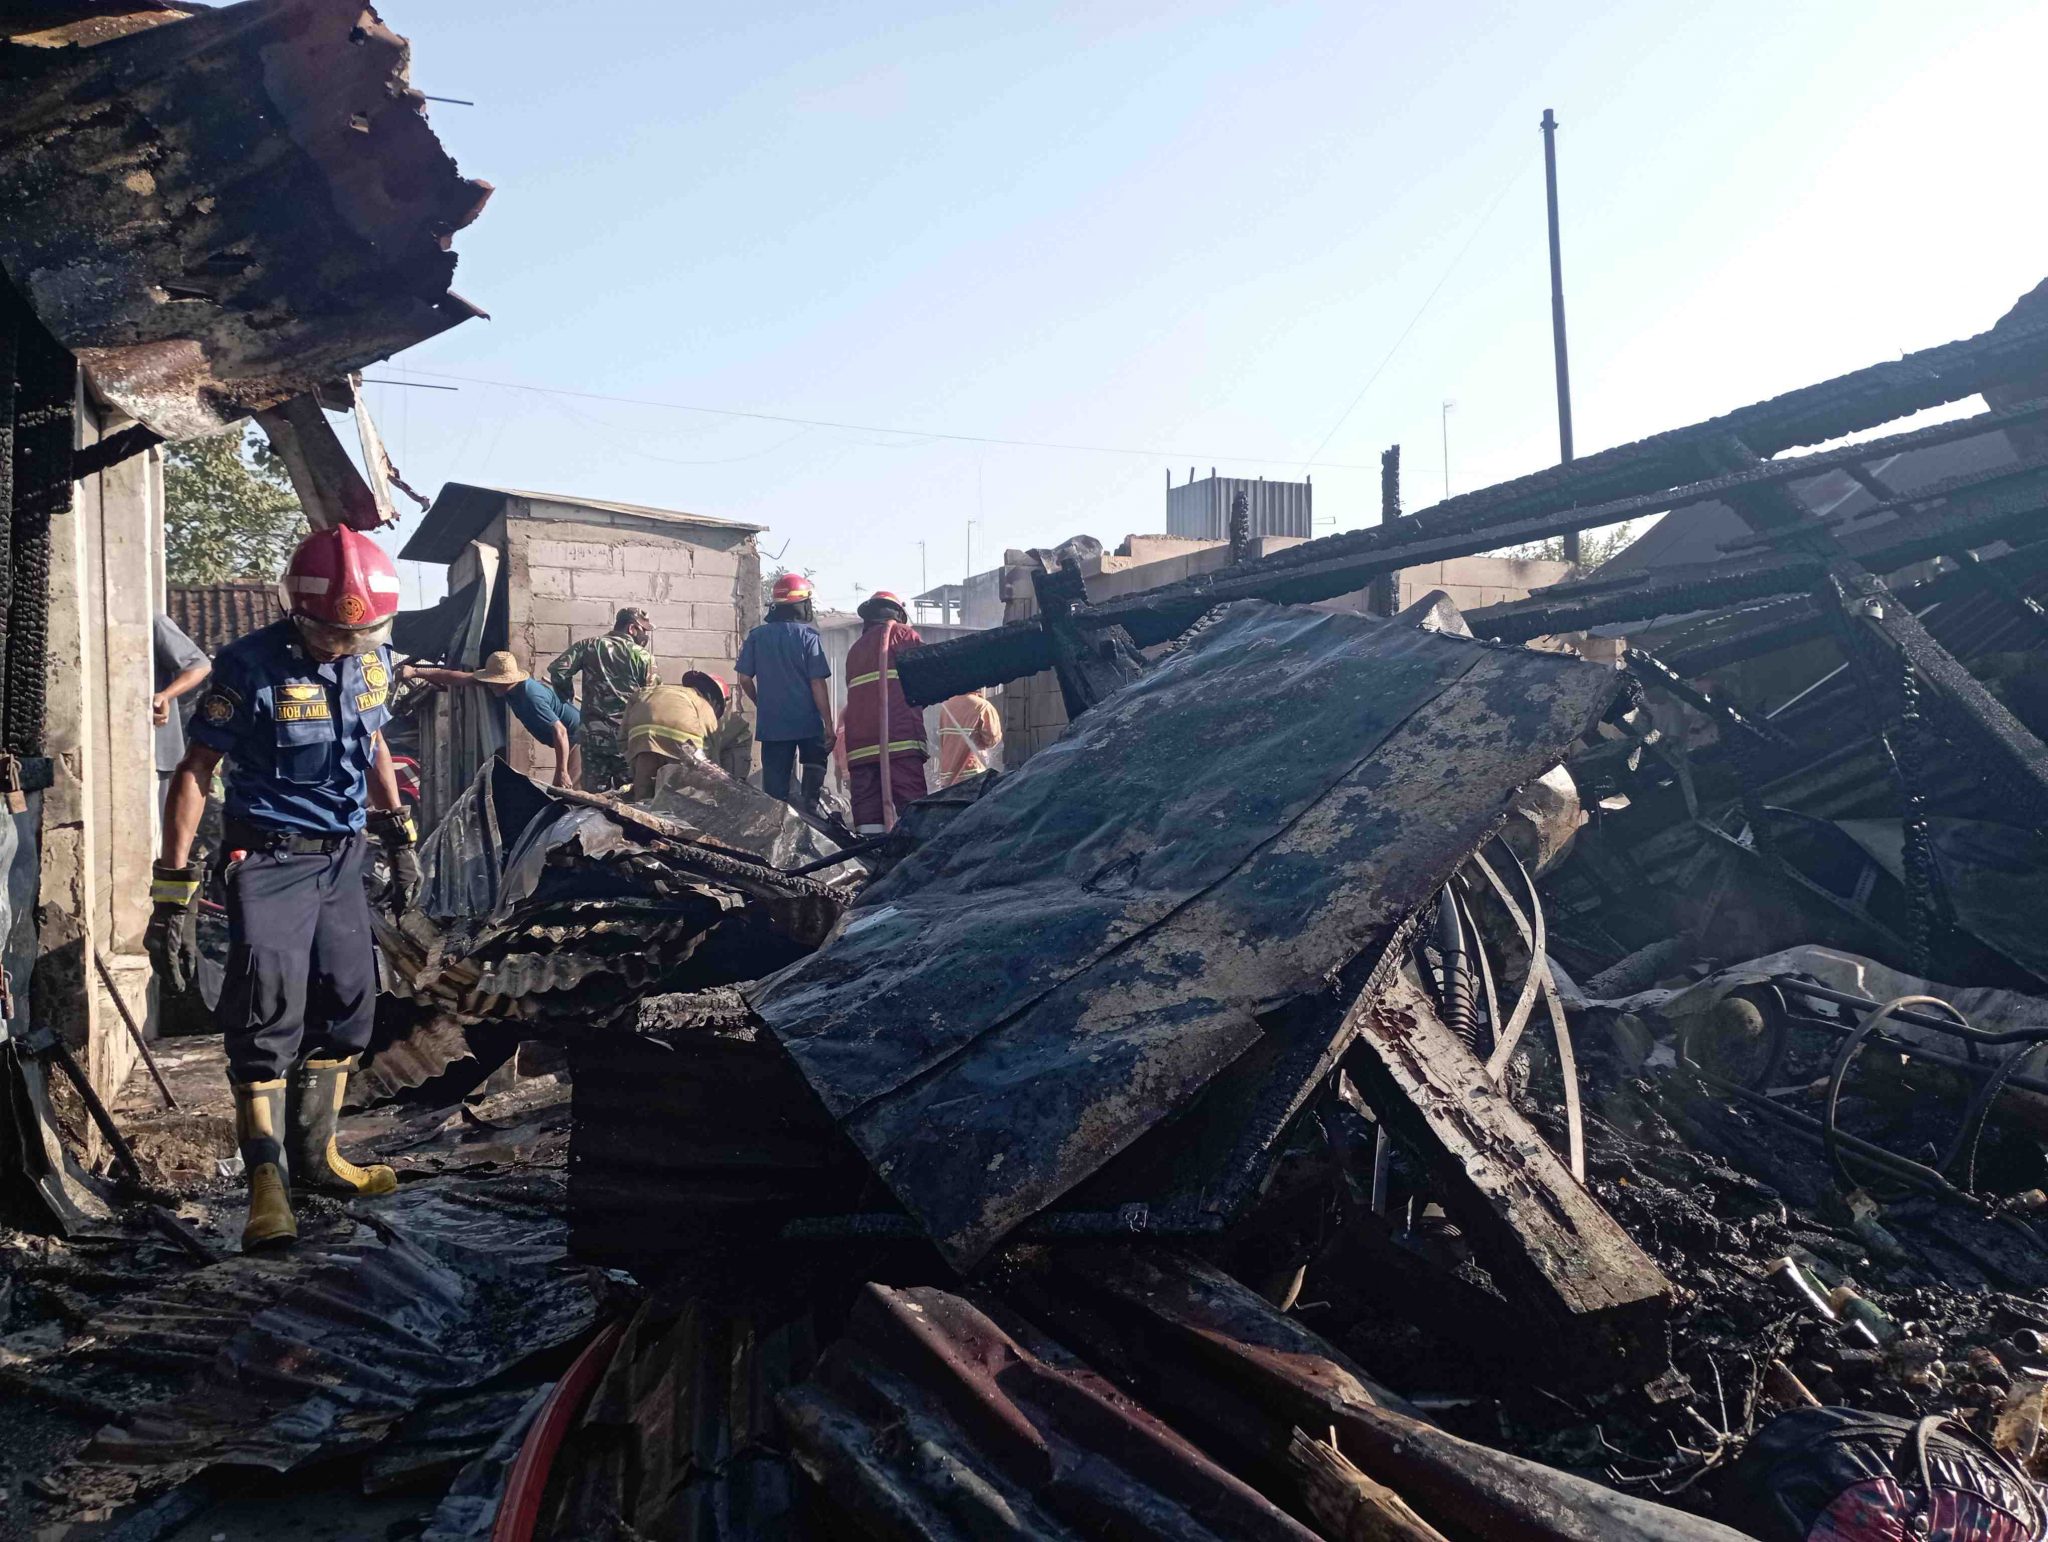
<point x="229" y="509"/>
<point x="1595" y="546"/>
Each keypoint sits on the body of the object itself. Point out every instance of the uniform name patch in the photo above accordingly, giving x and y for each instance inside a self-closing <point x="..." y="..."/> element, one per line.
<point x="369" y="701"/>
<point x="302" y="711"/>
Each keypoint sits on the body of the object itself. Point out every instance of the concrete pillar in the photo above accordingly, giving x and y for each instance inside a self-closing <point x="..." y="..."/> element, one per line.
<point x="131" y="502"/>
<point x="67" y="897"/>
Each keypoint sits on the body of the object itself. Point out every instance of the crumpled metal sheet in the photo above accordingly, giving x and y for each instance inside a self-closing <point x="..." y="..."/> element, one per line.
<point x="1097" y="937"/>
<point x="1995" y="877"/>
<point x="542" y="905"/>
<point x="226" y="211"/>
<point x="735" y="814"/>
<point x="446" y="1295"/>
<point x="935" y="1416"/>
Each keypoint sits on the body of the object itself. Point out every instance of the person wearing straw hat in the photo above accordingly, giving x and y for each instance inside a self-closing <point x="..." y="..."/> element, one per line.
<point x="553" y="721"/>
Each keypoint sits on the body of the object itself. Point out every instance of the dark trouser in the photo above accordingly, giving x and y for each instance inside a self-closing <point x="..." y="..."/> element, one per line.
<point x="302" y="965"/>
<point x="778" y="759"/>
<point x="604" y="761"/>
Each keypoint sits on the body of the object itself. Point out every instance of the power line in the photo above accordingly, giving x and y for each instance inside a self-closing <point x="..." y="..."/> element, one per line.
<point x="1513" y="177"/>
<point x="875" y="428"/>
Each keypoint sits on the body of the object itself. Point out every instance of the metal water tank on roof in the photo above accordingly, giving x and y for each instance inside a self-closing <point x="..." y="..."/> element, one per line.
<point x="1202" y="509"/>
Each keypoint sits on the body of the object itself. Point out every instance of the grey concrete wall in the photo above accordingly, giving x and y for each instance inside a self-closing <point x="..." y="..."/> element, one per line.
<point x="571" y="568"/>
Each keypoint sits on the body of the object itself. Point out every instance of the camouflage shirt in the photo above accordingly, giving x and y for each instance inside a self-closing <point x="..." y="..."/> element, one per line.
<point x="612" y="668"/>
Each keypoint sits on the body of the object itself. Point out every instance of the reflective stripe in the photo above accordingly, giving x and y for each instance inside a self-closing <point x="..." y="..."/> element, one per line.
<point x="871" y="751"/>
<point x="868" y="679"/>
<point x="173" y="891"/>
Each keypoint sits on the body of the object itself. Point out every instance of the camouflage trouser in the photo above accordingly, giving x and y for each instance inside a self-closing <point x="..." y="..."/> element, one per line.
<point x="604" y="762"/>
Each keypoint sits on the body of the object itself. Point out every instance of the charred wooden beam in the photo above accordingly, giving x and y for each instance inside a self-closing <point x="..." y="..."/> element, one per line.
<point x="1878" y="626"/>
<point x="1241" y="1377"/>
<point x="1547" y="1242"/>
<point x="1801" y="618"/>
<point x="1089" y="665"/>
<point x="1649" y="475"/>
<point x="112" y="450"/>
<point x="2005" y="504"/>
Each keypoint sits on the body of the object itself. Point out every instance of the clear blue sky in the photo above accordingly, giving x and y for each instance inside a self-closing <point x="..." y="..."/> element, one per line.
<point x="1189" y="230"/>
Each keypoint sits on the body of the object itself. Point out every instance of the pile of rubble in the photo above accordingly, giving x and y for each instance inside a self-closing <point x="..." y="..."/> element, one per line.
<point x="1175" y="1097"/>
<point x="1366" y="1080"/>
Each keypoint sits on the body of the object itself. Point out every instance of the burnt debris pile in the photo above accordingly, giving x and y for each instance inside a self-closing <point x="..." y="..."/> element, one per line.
<point x="546" y="910"/>
<point x="1374" y="1077"/>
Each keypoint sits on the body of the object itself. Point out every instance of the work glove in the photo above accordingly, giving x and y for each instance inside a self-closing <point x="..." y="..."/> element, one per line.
<point x="172" y="939"/>
<point x="396" y="833"/>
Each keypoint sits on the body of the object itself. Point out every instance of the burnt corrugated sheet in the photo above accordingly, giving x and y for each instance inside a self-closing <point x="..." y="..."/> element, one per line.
<point x="452" y="1288"/>
<point x="681" y="1438"/>
<point x="695" y="1143"/>
<point x="219" y="213"/>
<point x="1097" y="938"/>
<point x="550" y="907"/>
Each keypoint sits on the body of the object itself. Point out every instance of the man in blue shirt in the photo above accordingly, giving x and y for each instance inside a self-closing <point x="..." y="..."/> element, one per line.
<point x="783" y="669"/>
<point x="555" y="722"/>
<point x="297" y="710"/>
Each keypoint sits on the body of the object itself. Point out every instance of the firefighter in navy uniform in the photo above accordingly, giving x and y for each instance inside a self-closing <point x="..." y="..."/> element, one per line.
<point x="297" y="709"/>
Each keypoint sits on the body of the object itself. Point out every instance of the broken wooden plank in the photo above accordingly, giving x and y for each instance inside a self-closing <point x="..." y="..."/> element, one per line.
<point x="1349" y="1506"/>
<point x="1240" y="1378"/>
<point x="1546" y="1241"/>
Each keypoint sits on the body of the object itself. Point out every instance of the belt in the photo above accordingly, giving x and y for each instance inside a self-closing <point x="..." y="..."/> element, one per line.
<point x="236" y="836"/>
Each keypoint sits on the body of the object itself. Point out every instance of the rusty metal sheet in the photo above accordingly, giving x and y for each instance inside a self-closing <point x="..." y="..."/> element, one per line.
<point x="932" y="1418"/>
<point x="1096" y="939"/>
<point x="225" y="211"/>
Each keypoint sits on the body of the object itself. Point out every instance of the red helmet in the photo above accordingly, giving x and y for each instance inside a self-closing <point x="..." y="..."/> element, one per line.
<point x="342" y="590"/>
<point x="710" y="687"/>
<point x="877" y="606"/>
<point x="790" y="588"/>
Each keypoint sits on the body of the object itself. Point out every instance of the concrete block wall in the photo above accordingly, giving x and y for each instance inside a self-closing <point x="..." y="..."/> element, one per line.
<point x="570" y="569"/>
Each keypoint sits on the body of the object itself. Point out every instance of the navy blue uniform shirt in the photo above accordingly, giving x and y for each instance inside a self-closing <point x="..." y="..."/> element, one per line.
<point x="783" y="658"/>
<point x="299" y="734"/>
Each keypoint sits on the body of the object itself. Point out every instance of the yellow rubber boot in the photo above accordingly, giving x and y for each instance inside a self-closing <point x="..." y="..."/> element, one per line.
<point x="316" y="1163"/>
<point x="259" y="1114"/>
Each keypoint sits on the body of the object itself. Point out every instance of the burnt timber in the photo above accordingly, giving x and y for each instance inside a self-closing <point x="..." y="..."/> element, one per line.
<point x="1659" y="472"/>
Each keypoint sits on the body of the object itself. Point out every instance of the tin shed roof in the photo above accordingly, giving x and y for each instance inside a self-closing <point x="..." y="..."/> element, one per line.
<point x="463" y="509"/>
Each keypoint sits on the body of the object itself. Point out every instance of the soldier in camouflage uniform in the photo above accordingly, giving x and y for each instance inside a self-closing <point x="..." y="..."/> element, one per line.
<point x="612" y="668"/>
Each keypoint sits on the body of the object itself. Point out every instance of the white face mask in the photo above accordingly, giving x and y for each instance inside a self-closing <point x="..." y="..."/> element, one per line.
<point x="334" y="642"/>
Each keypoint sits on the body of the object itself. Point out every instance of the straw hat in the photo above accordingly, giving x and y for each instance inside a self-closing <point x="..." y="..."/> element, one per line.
<point x="499" y="669"/>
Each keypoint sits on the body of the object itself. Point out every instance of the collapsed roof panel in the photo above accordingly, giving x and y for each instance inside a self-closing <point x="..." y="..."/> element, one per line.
<point x="230" y="209"/>
<point x="1096" y="938"/>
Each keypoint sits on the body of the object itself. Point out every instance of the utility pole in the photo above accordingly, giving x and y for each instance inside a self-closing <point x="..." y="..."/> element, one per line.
<point x="1564" y="374"/>
<point x="924" y="570"/>
<point x="1448" y="405"/>
<point x="970" y="552"/>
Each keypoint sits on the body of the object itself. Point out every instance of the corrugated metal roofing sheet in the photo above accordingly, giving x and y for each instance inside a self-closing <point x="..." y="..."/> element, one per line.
<point x="214" y="615"/>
